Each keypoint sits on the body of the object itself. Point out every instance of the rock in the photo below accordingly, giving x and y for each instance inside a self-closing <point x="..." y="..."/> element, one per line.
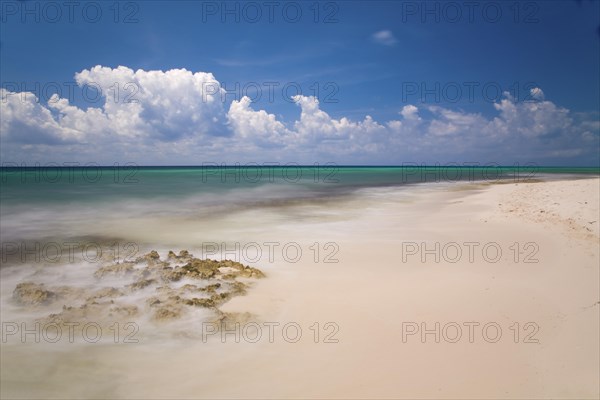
<point x="231" y="264"/>
<point x="167" y="313"/>
<point x="151" y="258"/>
<point x="200" y="302"/>
<point x="119" y="269"/>
<point x="33" y="294"/>
<point x="141" y="284"/>
<point x="123" y="311"/>
<point x="153" y="301"/>
<point x="240" y="270"/>
<point x="172" y="274"/>
<point x="164" y="290"/>
<point x="220" y="297"/>
<point x="110" y="292"/>
<point x="237" y="288"/>
<point x="200" y="269"/>
<point x="167" y="302"/>
<point x="211" y="288"/>
<point x="184" y="254"/>
<point x="250" y="272"/>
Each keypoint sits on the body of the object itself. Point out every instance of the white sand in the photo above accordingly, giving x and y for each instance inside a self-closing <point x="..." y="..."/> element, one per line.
<point x="371" y="294"/>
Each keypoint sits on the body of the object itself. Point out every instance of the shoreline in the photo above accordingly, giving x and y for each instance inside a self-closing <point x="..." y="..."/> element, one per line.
<point x="376" y="294"/>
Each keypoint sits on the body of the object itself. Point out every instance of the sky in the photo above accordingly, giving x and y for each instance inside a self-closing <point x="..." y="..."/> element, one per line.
<point x="347" y="82"/>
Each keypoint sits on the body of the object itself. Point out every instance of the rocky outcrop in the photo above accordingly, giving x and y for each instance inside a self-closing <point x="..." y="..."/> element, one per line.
<point x="33" y="294"/>
<point x="172" y="287"/>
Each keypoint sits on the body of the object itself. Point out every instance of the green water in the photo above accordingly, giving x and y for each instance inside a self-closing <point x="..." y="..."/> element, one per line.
<point x="93" y="184"/>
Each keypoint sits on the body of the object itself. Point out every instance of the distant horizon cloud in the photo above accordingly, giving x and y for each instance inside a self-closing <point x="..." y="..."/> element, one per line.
<point x="384" y="37"/>
<point x="178" y="116"/>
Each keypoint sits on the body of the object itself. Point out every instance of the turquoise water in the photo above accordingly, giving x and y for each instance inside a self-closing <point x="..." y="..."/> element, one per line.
<point x="66" y="202"/>
<point x="100" y="184"/>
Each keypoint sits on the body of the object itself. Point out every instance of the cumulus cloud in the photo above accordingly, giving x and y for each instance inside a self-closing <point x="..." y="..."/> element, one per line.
<point x="167" y="105"/>
<point x="410" y="112"/>
<point x="178" y="116"/>
<point x="25" y="120"/>
<point x="340" y="135"/>
<point x="248" y="123"/>
<point x="531" y="119"/>
<point x="536" y="94"/>
<point x="137" y="104"/>
<point x="385" y="37"/>
<point x="449" y="122"/>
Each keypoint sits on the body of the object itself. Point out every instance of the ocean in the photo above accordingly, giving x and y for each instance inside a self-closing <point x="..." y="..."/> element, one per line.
<point x="38" y="202"/>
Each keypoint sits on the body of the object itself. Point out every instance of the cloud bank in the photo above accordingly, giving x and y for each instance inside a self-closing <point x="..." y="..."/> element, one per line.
<point x="177" y="117"/>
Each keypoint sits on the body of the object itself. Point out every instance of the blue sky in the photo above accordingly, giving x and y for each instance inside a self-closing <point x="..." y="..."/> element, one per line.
<point x="395" y="81"/>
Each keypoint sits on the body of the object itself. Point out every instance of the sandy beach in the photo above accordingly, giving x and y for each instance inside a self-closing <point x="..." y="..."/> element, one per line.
<point x="450" y="291"/>
<point x="371" y="293"/>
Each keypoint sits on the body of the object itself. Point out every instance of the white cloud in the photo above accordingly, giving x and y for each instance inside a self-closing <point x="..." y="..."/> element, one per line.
<point x="248" y="123"/>
<point x="385" y="37"/>
<point x="25" y="120"/>
<point x="315" y="125"/>
<point x="531" y="119"/>
<point x="449" y="122"/>
<point x="178" y="117"/>
<point x="410" y="112"/>
<point x="163" y="105"/>
<point x="167" y="105"/>
<point x="536" y="94"/>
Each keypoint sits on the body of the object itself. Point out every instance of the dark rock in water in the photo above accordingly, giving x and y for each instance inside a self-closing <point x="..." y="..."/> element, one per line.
<point x="238" y="288"/>
<point x="105" y="292"/>
<point x="32" y="294"/>
<point x="141" y="284"/>
<point x="153" y="254"/>
<point x="250" y="272"/>
<point x="119" y="269"/>
<point x="240" y="270"/>
<point x="172" y="274"/>
<point x="220" y="297"/>
<point x="184" y="253"/>
<point x="231" y="264"/>
<point x="211" y="288"/>
<point x="200" y="302"/>
<point x="202" y="269"/>
<point x="167" y="313"/>
<point x="151" y="258"/>
<point x="123" y="311"/>
<point x="153" y="301"/>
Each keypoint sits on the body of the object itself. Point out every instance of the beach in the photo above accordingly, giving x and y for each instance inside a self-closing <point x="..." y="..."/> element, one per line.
<point x="442" y="290"/>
